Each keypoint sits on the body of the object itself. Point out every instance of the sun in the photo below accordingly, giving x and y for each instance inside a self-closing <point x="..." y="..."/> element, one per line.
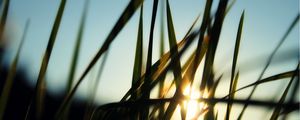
<point x="192" y="106"/>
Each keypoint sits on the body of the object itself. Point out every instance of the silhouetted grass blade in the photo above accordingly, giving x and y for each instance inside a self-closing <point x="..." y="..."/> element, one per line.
<point x="124" y="18"/>
<point x="11" y="74"/>
<point x="234" y="62"/>
<point x="137" y="69"/>
<point x="147" y="81"/>
<point x="265" y="80"/>
<point x="40" y="85"/>
<point x="270" y="59"/>
<point x="213" y="42"/>
<point x="277" y="109"/>
<point x="176" y="67"/>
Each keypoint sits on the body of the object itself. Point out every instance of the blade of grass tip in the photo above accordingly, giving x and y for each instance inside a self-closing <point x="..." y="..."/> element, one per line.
<point x="278" y="108"/>
<point x="230" y="6"/>
<point x="40" y="85"/>
<point x="138" y="61"/>
<point x="234" y="62"/>
<point x="295" y="21"/>
<point x="147" y="81"/>
<point x="176" y="68"/>
<point x="124" y="18"/>
<point x="161" y="49"/>
<point x="11" y="75"/>
<point x="213" y="42"/>
<point x="75" y="57"/>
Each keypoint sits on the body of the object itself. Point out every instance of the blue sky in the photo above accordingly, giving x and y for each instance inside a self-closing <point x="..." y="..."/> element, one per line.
<point x="265" y="23"/>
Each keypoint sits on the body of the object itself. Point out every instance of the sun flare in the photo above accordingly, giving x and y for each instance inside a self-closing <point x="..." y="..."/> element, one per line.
<point x="192" y="106"/>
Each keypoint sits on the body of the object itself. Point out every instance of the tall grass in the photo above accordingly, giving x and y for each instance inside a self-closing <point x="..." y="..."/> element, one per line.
<point x="137" y="103"/>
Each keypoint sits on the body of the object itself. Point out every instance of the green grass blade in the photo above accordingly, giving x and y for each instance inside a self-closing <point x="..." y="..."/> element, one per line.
<point x="124" y="18"/>
<point x="138" y="63"/>
<point x="11" y="75"/>
<point x="278" y="108"/>
<point x="265" y="80"/>
<point x="293" y="24"/>
<point x="40" y="85"/>
<point x="75" y="57"/>
<point x="235" y="56"/>
<point x="233" y="88"/>
<point x="137" y="69"/>
<point x="161" y="49"/>
<point x="77" y="47"/>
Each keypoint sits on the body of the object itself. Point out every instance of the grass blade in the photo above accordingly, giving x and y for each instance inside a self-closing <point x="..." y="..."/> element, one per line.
<point x="295" y="21"/>
<point x="176" y="67"/>
<point x="235" y="56"/>
<point x="124" y="18"/>
<point x="11" y="75"/>
<point x="162" y="47"/>
<point x="277" y="109"/>
<point x="138" y="61"/>
<point x="40" y="85"/>
<point x="233" y="88"/>
<point x="213" y="42"/>
<point x="147" y="81"/>
<point x="75" y="57"/>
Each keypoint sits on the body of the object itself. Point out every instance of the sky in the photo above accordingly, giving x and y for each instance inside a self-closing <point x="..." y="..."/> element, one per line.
<point x="265" y="23"/>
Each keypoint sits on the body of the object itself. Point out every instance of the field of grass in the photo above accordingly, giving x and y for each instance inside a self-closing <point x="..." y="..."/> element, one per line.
<point x="169" y="87"/>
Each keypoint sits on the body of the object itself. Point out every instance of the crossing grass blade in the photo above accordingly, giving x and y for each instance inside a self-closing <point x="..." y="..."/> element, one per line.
<point x="11" y="75"/>
<point x="278" y="108"/>
<point x="234" y="62"/>
<point x="293" y="24"/>
<point x="124" y="18"/>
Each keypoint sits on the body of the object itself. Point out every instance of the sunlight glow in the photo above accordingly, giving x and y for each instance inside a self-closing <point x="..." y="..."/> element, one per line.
<point x="192" y="106"/>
